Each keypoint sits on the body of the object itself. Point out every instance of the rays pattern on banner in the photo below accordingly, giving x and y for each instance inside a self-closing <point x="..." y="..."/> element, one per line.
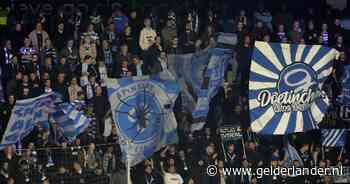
<point x="285" y="85"/>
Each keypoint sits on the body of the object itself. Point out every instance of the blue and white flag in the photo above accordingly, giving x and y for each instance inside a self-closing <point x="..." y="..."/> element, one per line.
<point x="344" y="97"/>
<point x="215" y="73"/>
<point x="27" y="113"/>
<point x="2" y="99"/>
<point x="70" y="119"/>
<point x="285" y="85"/>
<point x="292" y="154"/>
<point x="200" y="76"/>
<point x="142" y="109"/>
<point x="333" y="137"/>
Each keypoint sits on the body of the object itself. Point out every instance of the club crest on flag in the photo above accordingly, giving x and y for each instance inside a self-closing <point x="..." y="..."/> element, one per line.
<point x="285" y="87"/>
<point x="142" y="109"/>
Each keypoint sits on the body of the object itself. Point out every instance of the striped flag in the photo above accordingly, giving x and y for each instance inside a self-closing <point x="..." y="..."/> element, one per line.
<point x="333" y="137"/>
<point x="344" y="97"/>
<point x="292" y="154"/>
<point x="25" y="115"/>
<point x="200" y="76"/>
<point x="2" y="99"/>
<point x="70" y="119"/>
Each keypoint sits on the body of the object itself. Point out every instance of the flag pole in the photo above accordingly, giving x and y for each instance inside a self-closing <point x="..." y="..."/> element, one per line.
<point x="340" y="154"/>
<point x="244" y="153"/>
<point x="223" y="149"/>
<point x="322" y="149"/>
<point x="128" y="175"/>
<point x="19" y="147"/>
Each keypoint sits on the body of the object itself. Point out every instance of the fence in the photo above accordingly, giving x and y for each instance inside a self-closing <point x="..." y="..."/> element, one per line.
<point x="69" y="165"/>
<point x="345" y="178"/>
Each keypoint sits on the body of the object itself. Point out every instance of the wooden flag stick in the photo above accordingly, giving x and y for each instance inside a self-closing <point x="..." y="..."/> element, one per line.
<point x="128" y="169"/>
<point x="224" y="151"/>
<point x="323" y="154"/>
<point x="341" y="153"/>
<point x="244" y="153"/>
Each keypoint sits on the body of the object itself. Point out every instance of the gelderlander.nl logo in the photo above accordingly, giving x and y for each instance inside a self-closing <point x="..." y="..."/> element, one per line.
<point x="296" y="89"/>
<point x="213" y="170"/>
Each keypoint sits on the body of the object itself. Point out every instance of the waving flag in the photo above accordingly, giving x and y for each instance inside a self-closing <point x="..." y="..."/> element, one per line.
<point x="333" y="137"/>
<point x="200" y="76"/>
<point x="189" y="69"/>
<point x="214" y="73"/>
<point x="2" y="99"/>
<point x="292" y="154"/>
<point x="25" y="115"/>
<point x="344" y="97"/>
<point x="1" y="88"/>
<point x="142" y="109"/>
<point x="70" y="119"/>
<point x="285" y="85"/>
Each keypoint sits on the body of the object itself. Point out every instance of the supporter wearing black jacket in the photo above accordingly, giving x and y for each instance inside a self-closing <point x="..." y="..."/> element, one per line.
<point x="149" y="176"/>
<point x="60" y="36"/>
<point x="101" y="107"/>
<point x="62" y="67"/>
<point x="188" y="39"/>
<point x="5" y="113"/>
<point x="122" y="56"/>
<point x="61" y="177"/>
<point x="98" y="177"/>
<point x="79" y="175"/>
<point x="4" y="173"/>
<point x="6" y="56"/>
<point x="311" y="34"/>
<point x="13" y="86"/>
<point x="243" y="57"/>
<point x="62" y="157"/>
<point x="70" y="52"/>
<point x="9" y="158"/>
<point x="60" y="86"/>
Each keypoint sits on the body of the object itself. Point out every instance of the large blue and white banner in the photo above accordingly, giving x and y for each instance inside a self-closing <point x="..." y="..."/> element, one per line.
<point x="200" y="76"/>
<point x="285" y="85"/>
<point x="142" y="109"/>
<point x="25" y="114"/>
